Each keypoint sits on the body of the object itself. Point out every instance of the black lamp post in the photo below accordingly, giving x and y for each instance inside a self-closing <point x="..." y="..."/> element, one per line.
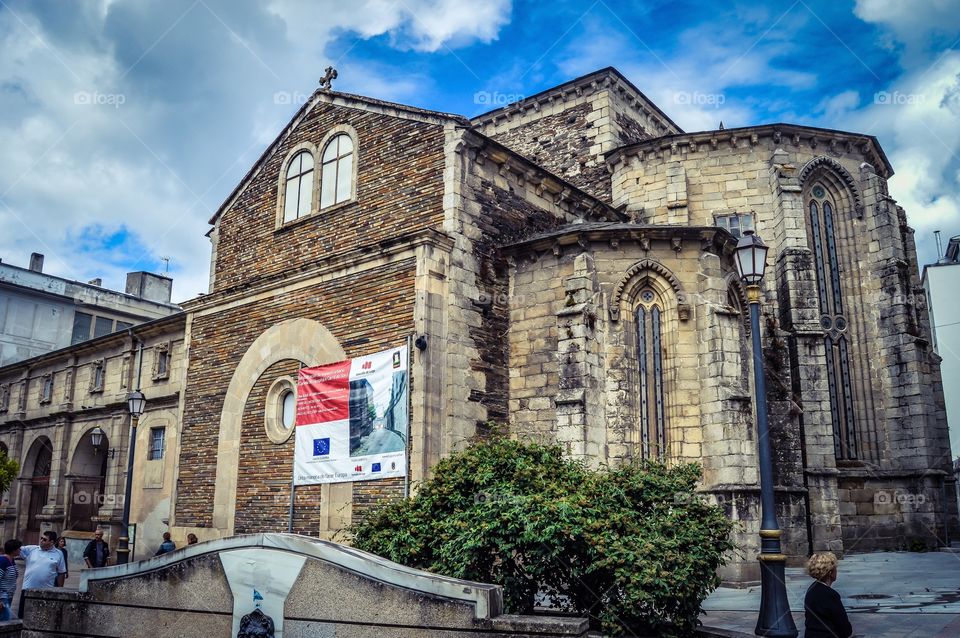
<point x="136" y="403"/>
<point x="775" y="617"/>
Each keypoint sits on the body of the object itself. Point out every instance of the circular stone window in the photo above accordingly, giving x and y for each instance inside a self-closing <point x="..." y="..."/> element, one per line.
<point x="818" y="191"/>
<point x="280" y="411"/>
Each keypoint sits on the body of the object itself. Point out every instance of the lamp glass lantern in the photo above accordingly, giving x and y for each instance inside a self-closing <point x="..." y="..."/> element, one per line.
<point x="96" y="437"/>
<point x="136" y="403"/>
<point x="751" y="258"/>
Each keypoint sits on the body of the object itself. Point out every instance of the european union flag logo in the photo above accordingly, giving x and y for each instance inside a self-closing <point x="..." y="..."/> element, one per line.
<point x="375" y="468"/>
<point x="321" y="447"/>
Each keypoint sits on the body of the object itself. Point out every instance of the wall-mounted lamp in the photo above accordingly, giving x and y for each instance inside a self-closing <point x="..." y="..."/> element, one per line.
<point x="96" y="437"/>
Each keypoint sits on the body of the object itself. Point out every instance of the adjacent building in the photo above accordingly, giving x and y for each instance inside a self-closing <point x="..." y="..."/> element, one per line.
<point x="41" y="312"/>
<point x="941" y="281"/>
<point x="565" y="263"/>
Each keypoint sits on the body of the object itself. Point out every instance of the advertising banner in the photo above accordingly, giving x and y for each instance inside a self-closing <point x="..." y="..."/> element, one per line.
<point x="352" y="420"/>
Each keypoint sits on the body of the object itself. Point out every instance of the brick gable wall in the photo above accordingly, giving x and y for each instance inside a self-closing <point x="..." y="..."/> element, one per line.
<point x="366" y="312"/>
<point x="399" y="189"/>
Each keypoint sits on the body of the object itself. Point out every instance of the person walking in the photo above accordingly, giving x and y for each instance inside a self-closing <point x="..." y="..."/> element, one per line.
<point x="192" y="539"/>
<point x="45" y="566"/>
<point x="62" y="546"/>
<point x="166" y="546"/>
<point x="8" y="577"/>
<point x="824" y="614"/>
<point x="97" y="551"/>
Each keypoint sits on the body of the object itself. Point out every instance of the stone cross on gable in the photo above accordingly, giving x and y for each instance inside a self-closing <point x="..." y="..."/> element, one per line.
<point x="326" y="82"/>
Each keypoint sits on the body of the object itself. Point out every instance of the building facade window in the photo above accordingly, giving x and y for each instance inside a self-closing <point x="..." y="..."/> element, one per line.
<point x="821" y="208"/>
<point x="280" y="409"/>
<point x="46" y="388"/>
<point x="648" y="318"/>
<point x="102" y="327"/>
<point x="288" y="409"/>
<point x="298" y="188"/>
<point x="735" y="223"/>
<point x="157" y="438"/>
<point x="97" y="376"/>
<point x="161" y="361"/>
<point x="87" y="326"/>
<point x="336" y="177"/>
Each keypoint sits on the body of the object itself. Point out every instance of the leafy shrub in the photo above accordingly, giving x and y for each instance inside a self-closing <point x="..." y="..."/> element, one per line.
<point x="634" y="548"/>
<point x="8" y="471"/>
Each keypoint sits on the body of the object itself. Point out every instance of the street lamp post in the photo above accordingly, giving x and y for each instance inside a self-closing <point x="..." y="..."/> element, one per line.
<point x="775" y="617"/>
<point x="135" y="405"/>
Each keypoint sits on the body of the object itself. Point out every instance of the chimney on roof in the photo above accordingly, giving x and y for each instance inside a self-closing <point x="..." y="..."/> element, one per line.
<point x="36" y="262"/>
<point x="96" y="282"/>
<point x="149" y="286"/>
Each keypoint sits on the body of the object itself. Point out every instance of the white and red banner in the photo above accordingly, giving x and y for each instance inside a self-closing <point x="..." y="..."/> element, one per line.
<point x="352" y="420"/>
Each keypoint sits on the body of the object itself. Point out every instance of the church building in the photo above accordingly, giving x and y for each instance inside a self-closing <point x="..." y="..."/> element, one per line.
<point x="565" y="265"/>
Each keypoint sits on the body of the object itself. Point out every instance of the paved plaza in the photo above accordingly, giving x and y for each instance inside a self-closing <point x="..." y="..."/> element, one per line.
<point x="887" y="595"/>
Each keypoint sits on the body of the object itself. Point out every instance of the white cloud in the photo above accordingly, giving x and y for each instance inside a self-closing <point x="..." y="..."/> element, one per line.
<point x="916" y="115"/>
<point x="421" y="25"/>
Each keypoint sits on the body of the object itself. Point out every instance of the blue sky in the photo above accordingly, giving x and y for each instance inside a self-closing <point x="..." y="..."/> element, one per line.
<point x="123" y="125"/>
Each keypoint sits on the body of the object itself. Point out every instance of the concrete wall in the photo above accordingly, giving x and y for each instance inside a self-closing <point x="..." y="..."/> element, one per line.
<point x="303" y="586"/>
<point x="941" y="283"/>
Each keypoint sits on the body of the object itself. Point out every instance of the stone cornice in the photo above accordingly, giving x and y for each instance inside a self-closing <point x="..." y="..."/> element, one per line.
<point x="703" y="237"/>
<point x="116" y="340"/>
<point x="829" y="141"/>
<point x="512" y="165"/>
<point x="604" y="79"/>
<point x="331" y="263"/>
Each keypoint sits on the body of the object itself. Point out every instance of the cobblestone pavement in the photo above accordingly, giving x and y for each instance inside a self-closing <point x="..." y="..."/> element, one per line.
<point x="888" y="595"/>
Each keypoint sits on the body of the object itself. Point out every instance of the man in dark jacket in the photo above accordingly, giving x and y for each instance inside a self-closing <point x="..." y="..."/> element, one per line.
<point x="97" y="551"/>
<point x="166" y="546"/>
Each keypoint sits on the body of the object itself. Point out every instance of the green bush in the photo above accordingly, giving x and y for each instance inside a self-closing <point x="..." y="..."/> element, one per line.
<point x="8" y="471"/>
<point x="633" y="548"/>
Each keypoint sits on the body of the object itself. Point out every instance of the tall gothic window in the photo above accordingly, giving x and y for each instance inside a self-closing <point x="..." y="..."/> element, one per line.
<point x="336" y="176"/>
<point x="298" y="196"/>
<point x="649" y="321"/>
<point x="833" y="320"/>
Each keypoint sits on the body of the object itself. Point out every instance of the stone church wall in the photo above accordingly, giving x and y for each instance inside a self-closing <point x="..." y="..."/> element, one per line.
<point x="569" y="129"/>
<point x="496" y="198"/>
<point x="764" y="171"/>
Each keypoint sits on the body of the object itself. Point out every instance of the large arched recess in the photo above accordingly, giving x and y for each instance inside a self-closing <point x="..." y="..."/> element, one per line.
<point x="303" y="340"/>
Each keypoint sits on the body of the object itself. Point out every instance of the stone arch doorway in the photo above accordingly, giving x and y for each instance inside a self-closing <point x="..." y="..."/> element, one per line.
<point x="304" y="340"/>
<point x="37" y="487"/>
<point x="88" y="475"/>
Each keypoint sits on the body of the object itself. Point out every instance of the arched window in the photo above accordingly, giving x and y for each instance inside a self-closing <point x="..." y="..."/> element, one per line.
<point x="298" y="193"/>
<point x="648" y="319"/>
<point x="821" y="208"/>
<point x="336" y="176"/>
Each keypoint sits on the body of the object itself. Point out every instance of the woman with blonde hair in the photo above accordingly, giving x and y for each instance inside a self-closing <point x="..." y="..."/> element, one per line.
<point x="824" y="614"/>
